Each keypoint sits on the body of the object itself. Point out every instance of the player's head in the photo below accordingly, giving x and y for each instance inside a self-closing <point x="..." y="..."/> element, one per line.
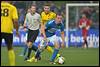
<point x="83" y="16"/>
<point x="46" y="8"/>
<point x="58" y="18"/>
<point x="33" y="8"/>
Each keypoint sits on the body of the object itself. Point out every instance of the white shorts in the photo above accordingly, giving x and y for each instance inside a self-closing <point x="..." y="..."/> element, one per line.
<point x="52" y="39"/>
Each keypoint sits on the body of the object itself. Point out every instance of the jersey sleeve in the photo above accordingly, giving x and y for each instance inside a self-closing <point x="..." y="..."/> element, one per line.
<point x="26" y="18"/>
<point x="42" y="18"/>
<point x="54" y="15"/>
<point x="48" y="24"/>
<point x="14" y="13"/>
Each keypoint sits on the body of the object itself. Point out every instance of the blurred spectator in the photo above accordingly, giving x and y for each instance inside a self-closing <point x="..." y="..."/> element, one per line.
<point x="21" y="17"/>
<point x="87" y="10"/>
<point x="53" y="8"/>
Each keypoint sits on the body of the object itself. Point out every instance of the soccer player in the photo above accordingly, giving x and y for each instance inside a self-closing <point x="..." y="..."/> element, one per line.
<point x="50" y="34"/>
<point x="46" y="16"/>
<point x="33" y="22"/>
<point x="9" y="21"/>
<point x="84" y="24"/>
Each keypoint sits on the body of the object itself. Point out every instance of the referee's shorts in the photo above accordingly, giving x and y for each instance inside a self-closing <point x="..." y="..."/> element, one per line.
<point x="32" y="35"/>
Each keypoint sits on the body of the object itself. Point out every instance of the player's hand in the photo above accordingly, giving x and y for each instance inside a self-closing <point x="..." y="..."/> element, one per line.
<point x="87" y="28"/>
<point x="24" y="28"/>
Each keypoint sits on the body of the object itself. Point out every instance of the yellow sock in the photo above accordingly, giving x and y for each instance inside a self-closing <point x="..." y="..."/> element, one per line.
<point x="49" y="49"/>
<point x="11" y="55"/>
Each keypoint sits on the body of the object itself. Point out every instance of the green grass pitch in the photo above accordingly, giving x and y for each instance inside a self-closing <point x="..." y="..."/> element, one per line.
<point x="73" y="57"/>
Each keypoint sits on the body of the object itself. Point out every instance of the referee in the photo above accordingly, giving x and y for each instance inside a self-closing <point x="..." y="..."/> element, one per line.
<point x="33" y="22"/>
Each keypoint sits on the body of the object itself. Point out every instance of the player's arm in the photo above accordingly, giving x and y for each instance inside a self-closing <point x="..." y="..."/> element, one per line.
<point x="25" y="23"/>
<point x="80" y="24"/>
<point x="62" y="36"/>
<point x="15" y="20"/>
<point x="43" y="30"/>
<point x="16" y="26"/>
<point x="88" y="25"/>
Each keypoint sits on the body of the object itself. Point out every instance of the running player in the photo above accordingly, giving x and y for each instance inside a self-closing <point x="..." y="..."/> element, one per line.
<point x="50" y="35"/>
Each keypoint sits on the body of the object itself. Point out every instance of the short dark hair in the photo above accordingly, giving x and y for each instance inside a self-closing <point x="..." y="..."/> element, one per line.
<point x="47" y="4"/>
<point x="58" y="14"/>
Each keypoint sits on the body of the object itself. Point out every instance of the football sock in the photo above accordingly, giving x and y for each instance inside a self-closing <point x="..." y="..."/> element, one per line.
<point x="29" y="52"/>
<point x="25" y="49"/>
<point x="11" y="55"/>
<point x="37" y="54"/>
<point x="54" y="54"/>
<point x="49" y="49"/>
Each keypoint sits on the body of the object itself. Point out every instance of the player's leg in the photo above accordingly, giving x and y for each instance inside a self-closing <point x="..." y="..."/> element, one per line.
<point x="41" y="47"/>
<point x="32" y="35"/>
<point x="28" y="43"/>
<point x="49" y="47"/>
<point x="56" y="48"/>
<point x="85" y="39"/>
<point x="84" y="34"/>
<point x="25" y="48"/>
<point x="34" y="38"/>
<point x="11" y="54"/>
<point x="38" y="52"/>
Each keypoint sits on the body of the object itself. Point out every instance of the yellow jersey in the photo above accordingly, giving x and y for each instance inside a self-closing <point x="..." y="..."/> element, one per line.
<point x="46" y="17"/>
<point x="8" y="13"/>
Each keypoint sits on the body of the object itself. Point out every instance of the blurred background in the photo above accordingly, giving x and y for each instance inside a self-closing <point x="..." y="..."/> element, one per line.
<point x="59" y="6"/>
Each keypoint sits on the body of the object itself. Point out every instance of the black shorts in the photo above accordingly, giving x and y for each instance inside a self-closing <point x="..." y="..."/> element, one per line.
<point x="8" y="37"/>
<point x="32" y="35"/>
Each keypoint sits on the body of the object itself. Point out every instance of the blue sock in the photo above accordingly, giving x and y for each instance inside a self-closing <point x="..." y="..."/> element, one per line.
<point x="54" y="54"/>
<point x="25" y="49"/>
<point x="37" y="54"/>
<point x="29" y="52"/>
